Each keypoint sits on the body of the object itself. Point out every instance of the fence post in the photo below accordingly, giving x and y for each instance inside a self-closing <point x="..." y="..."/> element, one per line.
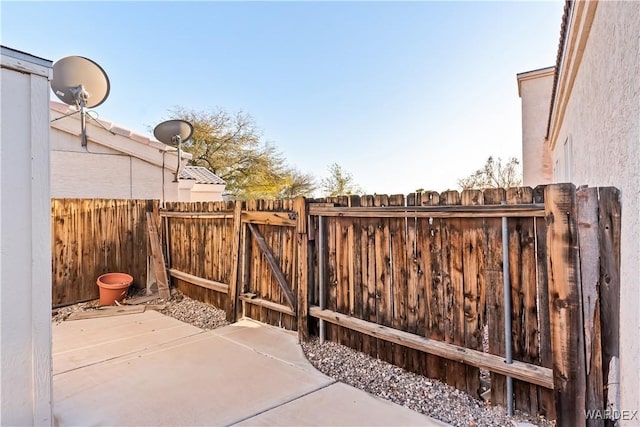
<point x="587" y="205"/>
<point x="235" y="257"/>
<point x="302" y="242"/>
<point x="565" y="305"/>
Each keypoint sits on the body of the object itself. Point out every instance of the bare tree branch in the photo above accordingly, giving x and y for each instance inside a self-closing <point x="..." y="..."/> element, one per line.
<point x="494" y="174"/>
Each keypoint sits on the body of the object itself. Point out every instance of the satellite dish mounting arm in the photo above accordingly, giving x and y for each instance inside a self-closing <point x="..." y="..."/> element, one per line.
<point x="82" y="96"/>
<point x="177" y="140"/>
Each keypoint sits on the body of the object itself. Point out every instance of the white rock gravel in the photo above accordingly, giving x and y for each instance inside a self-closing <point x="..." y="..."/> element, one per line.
<point x="183" y="308"/>
<point x="421" y="394"/>
<point x="196" y="313"/>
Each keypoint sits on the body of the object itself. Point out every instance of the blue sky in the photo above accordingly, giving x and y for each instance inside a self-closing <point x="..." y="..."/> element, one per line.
<point x="402" y="94"/>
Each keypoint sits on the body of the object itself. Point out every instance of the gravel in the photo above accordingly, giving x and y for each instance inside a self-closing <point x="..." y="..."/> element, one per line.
<point x="59" y="315"/>
<point x="196" y="313"/>
<point x="421" y="394"/>
<point x="181" y="307"/>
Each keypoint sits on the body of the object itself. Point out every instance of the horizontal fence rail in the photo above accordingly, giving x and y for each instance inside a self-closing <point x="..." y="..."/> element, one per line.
<point x="498" y="211"/>
<point x="524" y="371"/>
<point x="199" y="281"/>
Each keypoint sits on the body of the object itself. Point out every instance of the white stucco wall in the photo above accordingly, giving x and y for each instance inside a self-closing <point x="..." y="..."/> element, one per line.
<point x="25" y="253"/>
<point x="601" y="129"/>
<point x="99" y="171"/>
<point x="206" y="193"/>
<point x="534" y="88"/>
<point x="104" y="173"/>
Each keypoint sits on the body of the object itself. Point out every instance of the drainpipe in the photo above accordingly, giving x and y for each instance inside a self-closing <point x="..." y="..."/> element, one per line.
<point x="321" y="273"/>
<point x="507" y="309"/>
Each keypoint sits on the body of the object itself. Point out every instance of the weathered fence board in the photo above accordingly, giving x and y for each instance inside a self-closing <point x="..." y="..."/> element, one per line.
<point x="354" y="238"/>
<point x="565" y="306"/>
<point x="369" y="300"/>
<point x="587" y="211"/>
<point x="453" y="287"/>
<point x="609" y="237"/>
<point x="546" y="398"/>
<point x="495" y="292"/>
<point x="524" y="311"/>
<point x="416" y="290"/>
<point x="430" y="250"/>
<point x="383" y="277"/>
<point x="473" y="285"/>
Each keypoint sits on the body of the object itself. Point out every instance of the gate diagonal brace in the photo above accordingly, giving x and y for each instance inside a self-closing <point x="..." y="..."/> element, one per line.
<point x="275" y="268"/>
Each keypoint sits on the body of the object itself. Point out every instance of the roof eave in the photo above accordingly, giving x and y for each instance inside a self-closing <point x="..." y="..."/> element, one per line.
<point x="533" y="74"/>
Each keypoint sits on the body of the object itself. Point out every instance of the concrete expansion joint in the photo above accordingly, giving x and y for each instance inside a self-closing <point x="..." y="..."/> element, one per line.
<point x="148" y="350"/>
<point x="271" y="408"/>
<point x="270" y="356"/>
<point x="128" y="337"/>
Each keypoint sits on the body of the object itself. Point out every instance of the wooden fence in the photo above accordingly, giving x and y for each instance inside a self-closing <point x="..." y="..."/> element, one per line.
<point x="92" y="237"/>
<point x="418" y="281"/>
<point x="435" y="271"/>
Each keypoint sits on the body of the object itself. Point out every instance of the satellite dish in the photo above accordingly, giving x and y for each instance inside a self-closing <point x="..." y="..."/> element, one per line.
<point x="80" y="82"/>
<point x="174" y="132"/>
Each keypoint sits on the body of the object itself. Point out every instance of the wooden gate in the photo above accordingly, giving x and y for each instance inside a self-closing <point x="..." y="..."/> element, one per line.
<point x="249" y="257"/>
<point x="268" y="260"/>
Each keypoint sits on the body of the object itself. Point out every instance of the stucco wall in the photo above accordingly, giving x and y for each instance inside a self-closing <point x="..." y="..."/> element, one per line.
<point x="102" y="172"/>
<point x="206" y="193"/>
<point x="602" y="131"/>
<point x="535" y="91"/>
<point x="115" y="164"/>
<point x="25" y="262"/>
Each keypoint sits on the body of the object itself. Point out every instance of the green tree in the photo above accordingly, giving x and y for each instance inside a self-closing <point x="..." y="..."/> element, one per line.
<point x="231" y="146"/>
<point x="297" y="184"/>
<point x="339" y="183"/>
<point x="494" y="174"/>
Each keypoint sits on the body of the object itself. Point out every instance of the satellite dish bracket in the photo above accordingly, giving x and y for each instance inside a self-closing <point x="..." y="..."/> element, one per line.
<point x="83" y="125"/>
<point x="80" y="95"/>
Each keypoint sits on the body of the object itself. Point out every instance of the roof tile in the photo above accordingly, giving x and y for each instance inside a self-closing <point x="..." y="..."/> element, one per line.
<point x="201" y="174"/>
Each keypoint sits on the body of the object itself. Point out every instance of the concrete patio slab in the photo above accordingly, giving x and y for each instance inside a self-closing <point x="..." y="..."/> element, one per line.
<point x="199" y="380"/>
<point x="84" y="342"/>
<point x="246" y="373"/>
<point x="340" y="405"/>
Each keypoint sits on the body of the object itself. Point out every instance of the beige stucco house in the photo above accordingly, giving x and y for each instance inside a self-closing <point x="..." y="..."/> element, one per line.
<point x="581" y="124"/>
<point x="120" y="164"/>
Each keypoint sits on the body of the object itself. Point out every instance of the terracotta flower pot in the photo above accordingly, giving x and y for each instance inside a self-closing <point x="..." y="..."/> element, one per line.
<point x="113" y="287"/>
